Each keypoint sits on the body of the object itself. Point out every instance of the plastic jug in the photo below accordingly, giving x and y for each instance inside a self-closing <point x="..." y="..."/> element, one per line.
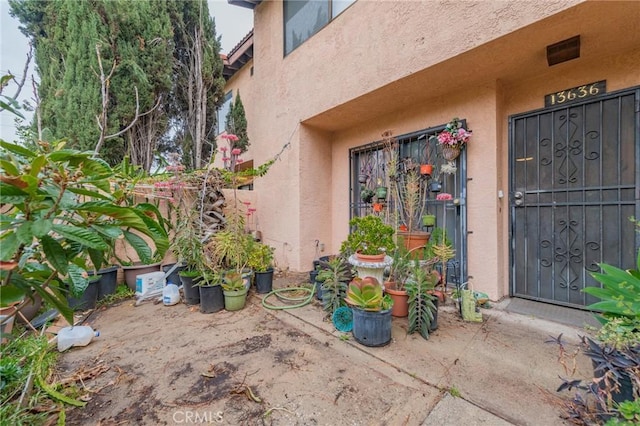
<point x="79" y="335"/>
<point x="170" y="294"/>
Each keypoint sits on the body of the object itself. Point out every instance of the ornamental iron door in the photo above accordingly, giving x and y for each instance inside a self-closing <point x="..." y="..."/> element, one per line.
<point x="574" y="184"/>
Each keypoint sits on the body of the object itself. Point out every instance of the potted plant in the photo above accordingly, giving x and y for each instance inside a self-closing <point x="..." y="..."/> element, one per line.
<point x="60" y="217"/>
<point x="234" y="290"/>
<point x="229" y="248"/>
<point x="211" y="296"/>
<point x="423" y="306"/>
<point x="331" y="282"/>
<point x="440" y="248"/>
<point x="371" y="311"/>
<point x="412" y="195"/>
<point x="370" y="239"/>
<point x="399" y="272"/>
<point x="452" y="139"/>
<point x="188" y="247"/>
<point x="261" y="261"/>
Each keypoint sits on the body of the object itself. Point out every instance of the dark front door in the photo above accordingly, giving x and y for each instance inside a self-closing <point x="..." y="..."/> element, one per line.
<point x="574" y="185"/>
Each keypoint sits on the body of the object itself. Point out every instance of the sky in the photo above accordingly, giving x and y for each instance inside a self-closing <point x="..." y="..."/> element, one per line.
<point x="232" y="24"/>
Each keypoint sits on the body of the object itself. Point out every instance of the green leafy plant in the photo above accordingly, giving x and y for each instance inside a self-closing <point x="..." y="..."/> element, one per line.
<point x="421" y="303"/>
<point x="369" y="235"/>
<point x="400" y="269"/>
<point x="229" y="248"/>
<point x="260" y="257"/>
<point x="60" y="218"/>
<point x="334" y="275"/>
<point x="232" y="281"/>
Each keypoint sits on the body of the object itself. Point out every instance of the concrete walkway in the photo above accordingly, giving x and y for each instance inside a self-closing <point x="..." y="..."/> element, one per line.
<point x="497" y="372"/>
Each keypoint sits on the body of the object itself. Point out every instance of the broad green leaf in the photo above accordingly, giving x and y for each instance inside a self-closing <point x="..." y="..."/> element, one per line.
<point x="25" y="233"/>
<point x="33" y="183"/>
<point x="96" y="257"/>
<point x="10" y="294"/>
<point x="55" y="254"/>
<point x="9" y="246"/>
<point x="140" y="246"/>
<point x="88" y="193"/>
<point x="36" y="165"/>
<point x="81" y="235"/>
<point x="53" y="296"/>
<point x="69" y="155"/>
<point x="96" y="168"/>
<point x="41" y="227"/>
<point x="17" y="149"/>
<point x="11" y="194"/>
<point x="111" y="232"/>
<point x="127" y="216"/>
<point x="9" y="168"/>
<point x="78" y="280"/>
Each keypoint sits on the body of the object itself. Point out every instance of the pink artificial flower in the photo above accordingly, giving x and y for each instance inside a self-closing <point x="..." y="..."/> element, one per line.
<point x="252" y="210"/>
<point x="236" y="151"/>
<point x="229" y="137"/>
<point x="226" y="158"/>
<point x="246" y="203"/>
<point x="239" y="160"/>
<point x="444" y="197"/>
<point x="223" y="149"/>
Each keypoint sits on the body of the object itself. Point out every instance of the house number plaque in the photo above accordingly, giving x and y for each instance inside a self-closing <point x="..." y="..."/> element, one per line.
<point x="575" y="93"/>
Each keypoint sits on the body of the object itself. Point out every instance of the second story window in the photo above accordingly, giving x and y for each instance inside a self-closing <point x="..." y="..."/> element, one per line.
<point x="223" y="111"/>
<point x="304" y="18"/>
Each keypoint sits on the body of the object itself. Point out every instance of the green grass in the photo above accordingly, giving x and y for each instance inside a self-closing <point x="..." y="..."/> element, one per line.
<point x="19" y="358"/>
<point x="123" y="292"/>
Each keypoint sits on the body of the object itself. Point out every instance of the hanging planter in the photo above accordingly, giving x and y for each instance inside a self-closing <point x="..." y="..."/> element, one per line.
<point x="377" y="207"/>
<point x="426" y="169"/>
<point x="429" y="220"/>
<point x="381" y="193"/>
<point x="450" y="152"/>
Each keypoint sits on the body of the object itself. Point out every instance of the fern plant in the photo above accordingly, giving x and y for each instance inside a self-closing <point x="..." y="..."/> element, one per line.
<point x="334" y="276"/>
<point x="422" y="306"/>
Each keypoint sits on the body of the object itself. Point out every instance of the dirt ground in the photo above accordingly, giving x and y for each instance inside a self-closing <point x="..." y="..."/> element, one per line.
<point x="165" y="365"/>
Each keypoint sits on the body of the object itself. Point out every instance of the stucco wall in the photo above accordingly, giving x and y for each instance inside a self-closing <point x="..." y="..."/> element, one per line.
<point x="406" y="66"/>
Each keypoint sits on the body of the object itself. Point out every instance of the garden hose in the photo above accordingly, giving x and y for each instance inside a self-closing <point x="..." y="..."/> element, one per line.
<point x="278" y="293"/>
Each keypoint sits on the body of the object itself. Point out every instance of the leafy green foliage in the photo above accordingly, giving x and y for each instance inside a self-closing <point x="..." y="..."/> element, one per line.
<point x="60" y="219"/>
<point x="421" y="302"/>
<point x="369" y="235"/>
<point x="334" y="276"/>
<point x="260" y="257"/>
<point x="620" y="292"/>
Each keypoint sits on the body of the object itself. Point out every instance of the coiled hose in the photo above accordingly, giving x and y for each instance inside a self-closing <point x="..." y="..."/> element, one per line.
<point x="279" y="293"/>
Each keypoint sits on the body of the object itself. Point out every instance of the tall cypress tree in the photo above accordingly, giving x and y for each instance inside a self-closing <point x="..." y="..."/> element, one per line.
<point x="236" y="123"/>
<point x="136" y="36"/>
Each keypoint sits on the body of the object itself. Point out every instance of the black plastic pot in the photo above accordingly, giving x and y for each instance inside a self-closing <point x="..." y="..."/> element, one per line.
<point x="190" y="289"/>
<point x="174" y="277"/>
<point x="264" y="281"/>
<point x="372" y="328"/>
<point x="434" y="323"/>
<point x="211" y="298"/>
<point x="89" y="297"/>
<point x="108" y="281"/>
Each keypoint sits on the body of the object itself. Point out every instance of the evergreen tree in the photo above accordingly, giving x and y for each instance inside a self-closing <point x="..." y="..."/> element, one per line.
<point x="198" y="82"/>
<point x="135" y="37"/>
<point x="236" y="123"/>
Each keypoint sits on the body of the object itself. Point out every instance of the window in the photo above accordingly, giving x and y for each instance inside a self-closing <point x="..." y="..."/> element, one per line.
<point x="304" y="18"/>
<point x="223" y="111"/>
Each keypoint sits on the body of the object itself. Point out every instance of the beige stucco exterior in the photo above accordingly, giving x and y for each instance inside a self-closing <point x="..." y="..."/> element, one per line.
<point x="406" y="66"/>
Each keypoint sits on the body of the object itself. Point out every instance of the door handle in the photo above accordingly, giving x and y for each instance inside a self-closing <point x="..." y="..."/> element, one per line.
<point x="518" y="195"/>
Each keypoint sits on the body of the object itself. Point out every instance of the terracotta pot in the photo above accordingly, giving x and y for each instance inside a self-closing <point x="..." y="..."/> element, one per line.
<point x="377" y="207"/>
<point x="400" y="308"/>
<point x="426" y="169"/>
<point x="413" y="241"/>
<point x="373" y="258"/>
